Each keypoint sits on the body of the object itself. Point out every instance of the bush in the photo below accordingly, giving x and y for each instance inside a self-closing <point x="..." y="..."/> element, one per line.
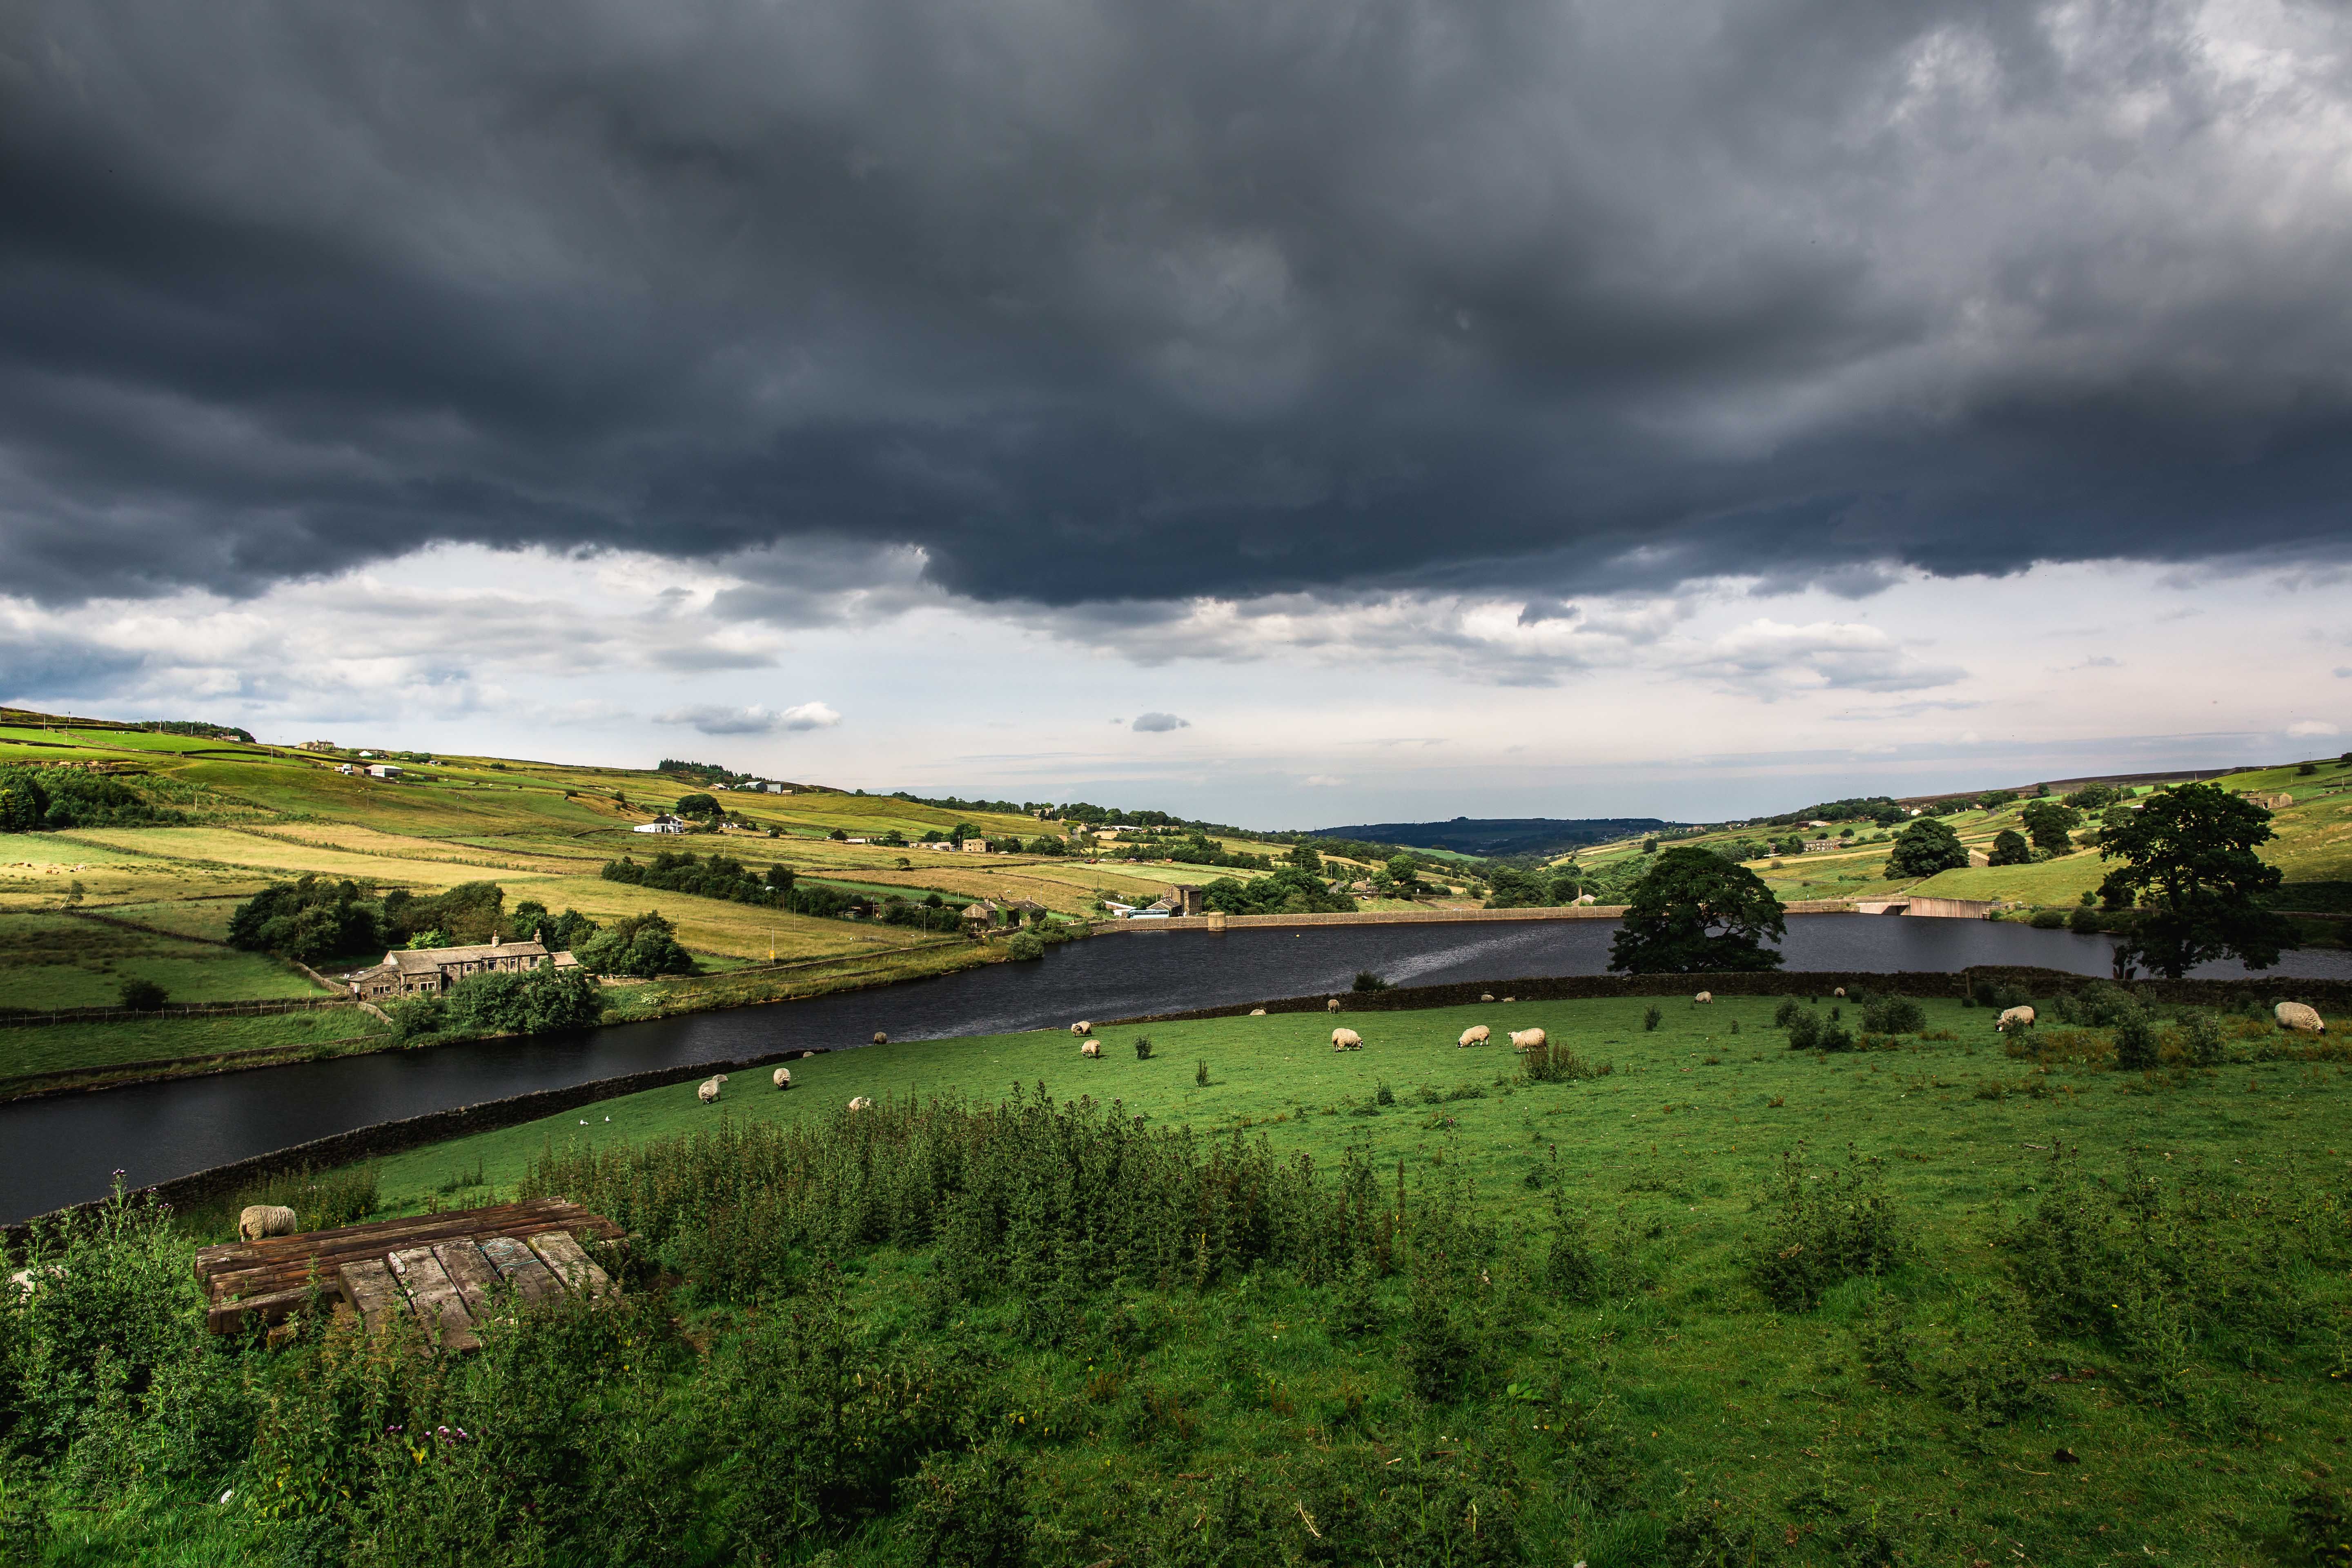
<point x="1804" y="1027"/>
<point x="414" y="1017"/>
<point x="1368" y="981"/>
<point x="1143" y="1047"/>
<point x="1893" y="1015"/>
<point x="1553" y="1062"/>
<point x="312" y="919"/>
<point x="535" y="1001"/>
<point x="2049" y="920"/>
<point x="2201" y="1040"/>
<point x="1786" y="1013"/>
<point x="644" y="946"/>
<point x="2135" y="1043"/>
<point x="1025" y="946"/>
<point x="143" y="995"/>
<point x="1650" y="1017"/>
<point x="1825" y="1227"/>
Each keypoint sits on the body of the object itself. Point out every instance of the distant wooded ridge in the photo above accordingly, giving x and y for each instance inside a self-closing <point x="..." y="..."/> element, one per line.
<point x="1499" y="835"/>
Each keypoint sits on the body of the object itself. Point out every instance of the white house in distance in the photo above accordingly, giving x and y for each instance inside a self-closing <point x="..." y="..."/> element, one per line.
<point x="664" y="823"/>
<point x="383" y="771"/>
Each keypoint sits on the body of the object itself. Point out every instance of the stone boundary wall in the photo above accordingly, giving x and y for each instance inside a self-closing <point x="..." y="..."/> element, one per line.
<point x="411" y="1132"/>
<point x="1214" y="922"/>
<point x="27" y="1018"/>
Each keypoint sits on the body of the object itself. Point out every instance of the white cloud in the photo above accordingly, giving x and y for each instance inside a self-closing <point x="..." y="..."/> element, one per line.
<point x="2311" y="727"/>
<point x="713" y="719"/>
<point x="1159" y="723"/>
<point x="1322" y="780"/>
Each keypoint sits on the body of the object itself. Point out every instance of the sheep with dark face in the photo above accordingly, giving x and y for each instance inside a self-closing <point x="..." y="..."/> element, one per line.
<point x="1091" y="1050"/>
<point x="1476" y="1035"/>
<point x="2014" y="1018"/>
<point x="709" y="1090"/>
<point x="784" y="1078"/>
<point x="1082" y="1027"/>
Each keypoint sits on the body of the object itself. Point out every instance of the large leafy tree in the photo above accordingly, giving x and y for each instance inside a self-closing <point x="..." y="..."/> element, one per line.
<point x="1696" y="912"/>
<point x="2051" y="824"/>
<point x="2010" y="848"/>
<point x="1926" y="848"/>
<point x="2192" y="878"/>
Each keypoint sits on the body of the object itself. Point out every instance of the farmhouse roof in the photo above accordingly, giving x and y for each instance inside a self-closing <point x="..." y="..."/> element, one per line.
<point x="429" y="959"/>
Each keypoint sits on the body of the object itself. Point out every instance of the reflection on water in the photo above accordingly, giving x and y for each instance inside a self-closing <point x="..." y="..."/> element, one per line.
<point x="60" y="1151"/>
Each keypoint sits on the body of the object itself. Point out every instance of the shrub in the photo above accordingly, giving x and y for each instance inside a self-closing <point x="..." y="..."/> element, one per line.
<point x="1786" y="1013"/>
<point x="1025" y="946"/>
<point x="2135" y="1043"/>
<point x="143" y="995"/>
<point x="1200" y="1073"/>
<point x="414" y="1017"/>
<point x="2049" y="920"/>
<point x="1650" y="1017"/>
<point x="532" y="1002"/>
<point x="1368" y="981"/>
<point x="1804" y="1027"/>
<point x="1834" y="1036"/>
<point x="2201" y="1039"/>
<point x="1143" y="1047"/>
<point x="1553" y="1062"/>
<point x="644" y="946"/>
<point x="1824" y="1227"/>
<point x="965" y="1510"/>
<point x="2084" y="920"/>
<point x="1893" y="1015"/>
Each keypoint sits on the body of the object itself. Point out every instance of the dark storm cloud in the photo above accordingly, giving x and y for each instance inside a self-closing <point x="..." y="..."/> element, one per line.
<point x="1171" y="298"/>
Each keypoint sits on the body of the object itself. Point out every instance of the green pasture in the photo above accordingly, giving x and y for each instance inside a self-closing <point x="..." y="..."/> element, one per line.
<point x="70" y="961"/>
<point x="70" y="1047"/>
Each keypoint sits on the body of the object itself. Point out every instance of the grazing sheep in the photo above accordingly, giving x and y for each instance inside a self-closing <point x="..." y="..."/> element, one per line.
<point x="1331" y="1004"/>
<point x="265" y="1219"/>
<point x="1347" y="1040"/>
<point x="784" y="1078"/>
<point x="2295" y="1016"/>
<point x="1092" y="1049"/>
<point x="1706" y="997"/>
<point x="861" y="1103"/>
<point x="880" y="1039"/>
<point x="1485" y="996"/>
<point x="1510" y="998"/>
<point x="2021" y="1017"/>
<point x="1257" y="1012"/>
<point x="1082" y="1027"/>
<point x="1839" y="992"/>
<point x="1526" y="1039"/>
<point x="709" y="1091"/>
<point x="1476" y="1035"/>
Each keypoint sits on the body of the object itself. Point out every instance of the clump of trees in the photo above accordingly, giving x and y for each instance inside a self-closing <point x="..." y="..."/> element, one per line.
<point x="1696" y="913"/>
<point x="530" y="1001"/>
<point x="1291" y="890"/>
<point x="714" y="875"/>
<point x="316" y="919"/>
<point x="644" y="945"/>
<point x="1509" y="889"/>
<point x="1926" y="847"/>
<point x="2051" y="826"/>
<point x="48" y="800"/>
<point x="2010" y="848"/>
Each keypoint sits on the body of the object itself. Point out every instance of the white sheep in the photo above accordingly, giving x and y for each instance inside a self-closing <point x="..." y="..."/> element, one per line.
<point x="1526" y="1039"/>
<point x="1510" y="998"/>
<point x="1257" y="1012"/>
<point x="709" y="1091"/>
<point x="784" y="1078"/>
<point x="265" y="1219"/>
<point x="1839" y="992"/>
<point x="1476" y="1035"/>
<point x="861" y="1103"/>
<point x="2020" y="1017"/>
<point x="1092" y="1049"/>
<point x="2295" y="1016"/>
<point x="1704" y="996"/>
<point x="1331" y="1004"/>
<point x="1485" y="996"/>
<point x="880" y="1039"/>
<point x="1082" y="1027"/>
<point x="1347" y="1040"/>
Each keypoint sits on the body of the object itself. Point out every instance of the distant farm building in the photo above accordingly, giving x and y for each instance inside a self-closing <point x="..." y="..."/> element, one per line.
<point x="317" y="746"/>
<point x="1820" y="845"/>
<point x="412" y="972"/>
<point x="662" y="824"/>
<point x="976" y="845"/>
<point x="2278" y="801"/>
<point x="383" y="771"/>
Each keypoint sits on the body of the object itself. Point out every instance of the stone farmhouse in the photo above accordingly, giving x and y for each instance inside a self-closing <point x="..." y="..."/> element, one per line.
<point x="425" y="971"/>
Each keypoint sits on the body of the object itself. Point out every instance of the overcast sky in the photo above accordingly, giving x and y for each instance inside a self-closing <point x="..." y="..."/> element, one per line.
<point x="1292" y="413"/>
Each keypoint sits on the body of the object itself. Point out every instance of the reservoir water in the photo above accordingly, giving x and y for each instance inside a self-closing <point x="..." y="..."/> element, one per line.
<point x="63" y="1150"/>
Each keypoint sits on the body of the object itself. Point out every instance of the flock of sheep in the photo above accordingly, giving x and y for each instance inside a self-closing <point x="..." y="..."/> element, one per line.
<point x="2292" y="1015"/>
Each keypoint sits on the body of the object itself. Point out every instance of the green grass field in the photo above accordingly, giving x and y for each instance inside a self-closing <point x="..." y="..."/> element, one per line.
<point x="74" y="1048"/>
<point x="1962" y="1300"/>
<point x="68" y="961"/>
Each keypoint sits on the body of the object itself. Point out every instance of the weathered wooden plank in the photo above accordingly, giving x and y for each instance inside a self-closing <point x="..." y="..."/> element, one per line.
<point x="228" y="1317"/>
<point x="475" y="1276"/>
<point x="285" y="1272"/>
<point x="434" y="1296"/>
<point x="233" y="1257"/>
<point x="520" y="1266"/>
<point x="371" y="1287"/>
<point x="571" y="1262"/>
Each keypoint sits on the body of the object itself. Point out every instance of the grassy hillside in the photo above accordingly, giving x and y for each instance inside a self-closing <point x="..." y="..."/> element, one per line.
<point x="1956" y="1300"/>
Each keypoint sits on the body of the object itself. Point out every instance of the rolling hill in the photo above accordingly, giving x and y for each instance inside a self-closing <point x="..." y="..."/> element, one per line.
<point x="1493" y="836"/>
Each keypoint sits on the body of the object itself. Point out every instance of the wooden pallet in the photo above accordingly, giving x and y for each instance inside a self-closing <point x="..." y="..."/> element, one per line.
<point x="444" y="1271"/>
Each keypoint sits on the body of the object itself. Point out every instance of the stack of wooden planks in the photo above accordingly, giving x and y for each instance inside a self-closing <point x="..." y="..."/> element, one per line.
<point x="444" y="1271"/>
